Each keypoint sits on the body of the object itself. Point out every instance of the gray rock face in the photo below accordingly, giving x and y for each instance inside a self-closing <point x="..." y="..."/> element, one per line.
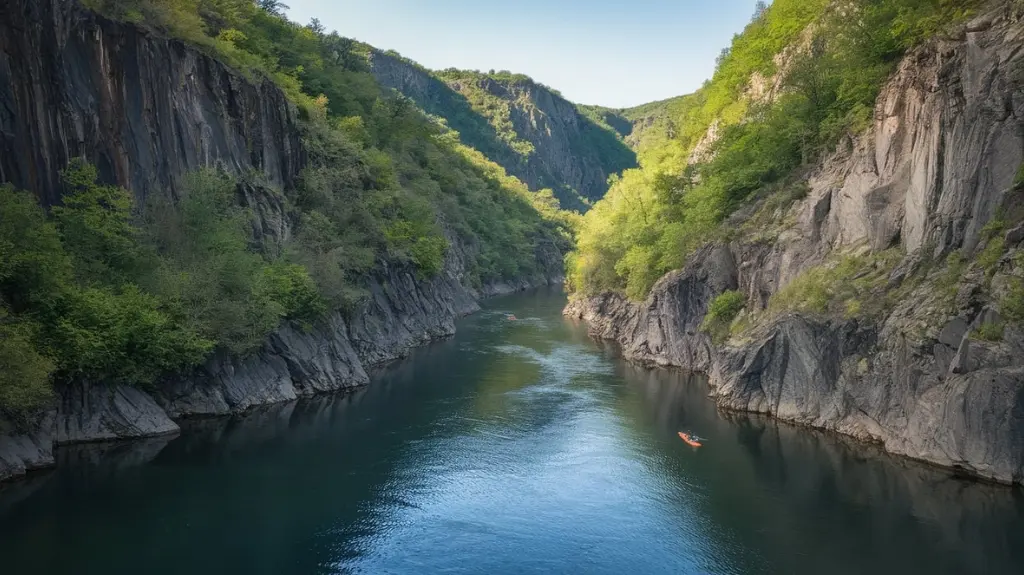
<point x="96" y="412"/>
<point x="948" y="138"/>
<point x="841" y="377"/>
<point x="145" y="110"/>
<point x="947" y="143"/>
<point x="665" y="329"/>
<point x="26" y="446"/>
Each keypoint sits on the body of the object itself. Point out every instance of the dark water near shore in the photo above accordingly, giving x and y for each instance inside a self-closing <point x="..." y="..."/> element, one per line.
<point x="516" y="447"/>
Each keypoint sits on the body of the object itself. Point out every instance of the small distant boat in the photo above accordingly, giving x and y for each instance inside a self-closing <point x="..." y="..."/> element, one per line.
<point x="511" y="317"/>
<point x="689" y="439"/>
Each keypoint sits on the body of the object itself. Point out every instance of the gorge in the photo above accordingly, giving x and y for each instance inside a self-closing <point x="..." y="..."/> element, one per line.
<point x="210" y="214"/>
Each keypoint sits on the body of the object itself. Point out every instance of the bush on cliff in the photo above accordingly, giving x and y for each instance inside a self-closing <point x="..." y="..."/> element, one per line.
<point x="24" y="370"/>
<point x="851" y="285"/>
<point x="721" y="313"/>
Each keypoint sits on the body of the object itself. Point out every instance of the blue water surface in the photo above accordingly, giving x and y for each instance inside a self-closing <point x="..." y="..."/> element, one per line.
<point x="516" y="447"/>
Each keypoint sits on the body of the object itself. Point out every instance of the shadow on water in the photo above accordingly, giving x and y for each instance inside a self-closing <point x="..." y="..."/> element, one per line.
<point x="806" y="501"/>
<point x="517" y="446"/>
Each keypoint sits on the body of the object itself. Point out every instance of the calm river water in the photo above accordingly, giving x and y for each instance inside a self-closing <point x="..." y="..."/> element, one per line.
<point x="516" y="447"/>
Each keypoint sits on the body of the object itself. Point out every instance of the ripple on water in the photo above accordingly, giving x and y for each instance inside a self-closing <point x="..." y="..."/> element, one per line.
<point x="518" y="447"/>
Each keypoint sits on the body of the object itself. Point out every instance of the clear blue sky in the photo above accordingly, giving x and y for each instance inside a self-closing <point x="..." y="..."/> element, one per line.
<point x="615" y="53"/>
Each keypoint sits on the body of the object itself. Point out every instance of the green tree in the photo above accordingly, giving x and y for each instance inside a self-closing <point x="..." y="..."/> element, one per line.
<point x="24" y="371"/>
<point x="95" y="224"/>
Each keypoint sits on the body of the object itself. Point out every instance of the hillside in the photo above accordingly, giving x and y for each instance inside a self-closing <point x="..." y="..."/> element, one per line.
<point x="529" y="129"/>
<point x="205" y="208"/>
<point x="834" y="230"/>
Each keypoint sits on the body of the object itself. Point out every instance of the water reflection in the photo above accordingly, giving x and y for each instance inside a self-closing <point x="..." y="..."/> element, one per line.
<point x="516" y="447"/>
<point x="809" y="502"/>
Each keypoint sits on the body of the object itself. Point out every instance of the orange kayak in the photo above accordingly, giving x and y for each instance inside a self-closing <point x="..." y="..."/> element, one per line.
<point x="689" y="440"/>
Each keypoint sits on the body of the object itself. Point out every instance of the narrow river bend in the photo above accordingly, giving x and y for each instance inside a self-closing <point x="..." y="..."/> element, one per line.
<point x="518" y="446"/>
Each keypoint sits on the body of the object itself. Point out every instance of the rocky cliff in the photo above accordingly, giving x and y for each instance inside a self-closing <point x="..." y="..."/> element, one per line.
<point x="548" y="142"/>
<point x="147" y="110"/>
<point x="937" y="375"/>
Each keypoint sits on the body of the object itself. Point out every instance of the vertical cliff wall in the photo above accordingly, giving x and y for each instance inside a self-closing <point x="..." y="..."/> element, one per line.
<point x="147" y="110"/>
<point x="938" y="165"/>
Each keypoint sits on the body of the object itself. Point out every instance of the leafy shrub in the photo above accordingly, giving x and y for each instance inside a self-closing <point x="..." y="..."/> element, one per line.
<point x="422" y="246"/>
<point x="990" y="331"/>
<point x="721" y="313"/>
<point x="1012" y="305"/>
<point x="34" y="268"/>
<point x="120" y="337"/>
<point x="24" y="371"/>
<point x="95" y="223"/>
<point x="291" y="287"/>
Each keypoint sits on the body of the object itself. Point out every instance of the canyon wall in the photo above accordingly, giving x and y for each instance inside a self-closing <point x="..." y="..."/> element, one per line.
<point x="940" y="162"/>
<point x="146" y="111"/>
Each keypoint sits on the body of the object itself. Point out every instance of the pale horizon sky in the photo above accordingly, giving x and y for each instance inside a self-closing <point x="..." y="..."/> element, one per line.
<point x="615" y="53"/>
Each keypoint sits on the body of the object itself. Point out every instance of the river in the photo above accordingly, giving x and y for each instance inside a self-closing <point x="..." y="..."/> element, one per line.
<point x="518" y="446"/>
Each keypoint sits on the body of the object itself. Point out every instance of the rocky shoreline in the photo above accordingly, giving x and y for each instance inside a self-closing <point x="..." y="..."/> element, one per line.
<point x="334" y="357"/>
<point x="938" y="166"/>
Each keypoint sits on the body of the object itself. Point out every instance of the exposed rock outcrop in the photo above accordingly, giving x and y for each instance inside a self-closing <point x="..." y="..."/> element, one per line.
<point x="92" y="412"/>
<point x="665" y="329"/>
<point x="938" y="165"/>
<point x="947" y="142"/>
<point x="148" y="110"/>
<point x="26" y="445"/>
<point x="910" y="396"/>
<point x="145" y="110"/>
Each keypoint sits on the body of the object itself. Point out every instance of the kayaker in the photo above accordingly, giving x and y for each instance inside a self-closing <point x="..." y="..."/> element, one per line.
<point x="692" y="440"/>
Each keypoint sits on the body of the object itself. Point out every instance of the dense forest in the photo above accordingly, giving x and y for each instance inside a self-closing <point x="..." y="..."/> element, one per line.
<point x="797" y="80"/>
<point x="101" y="288"/>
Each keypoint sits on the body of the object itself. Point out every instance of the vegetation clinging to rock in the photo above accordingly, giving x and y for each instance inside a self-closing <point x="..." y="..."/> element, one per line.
<point x="721" y="313"/>
<point x="792" y="84"/>
<point x="103" y="290"/>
